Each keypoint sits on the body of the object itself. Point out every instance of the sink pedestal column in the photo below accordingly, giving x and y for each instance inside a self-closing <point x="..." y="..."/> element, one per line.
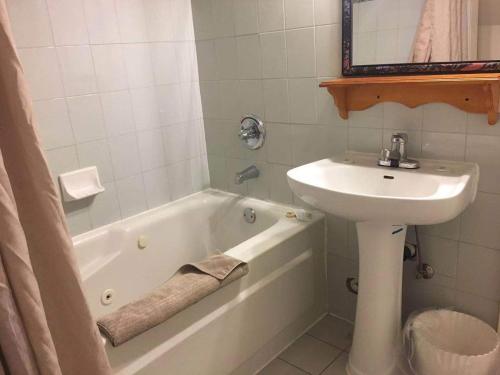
<point x="378" y="315"/>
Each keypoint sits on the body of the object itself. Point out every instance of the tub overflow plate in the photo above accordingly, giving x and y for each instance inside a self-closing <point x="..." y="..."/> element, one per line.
<point x="249" y="215"/>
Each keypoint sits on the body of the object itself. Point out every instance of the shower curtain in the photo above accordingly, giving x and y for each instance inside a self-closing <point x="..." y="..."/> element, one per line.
<point x="447" y="31"/>
<point x="45" y="325"/>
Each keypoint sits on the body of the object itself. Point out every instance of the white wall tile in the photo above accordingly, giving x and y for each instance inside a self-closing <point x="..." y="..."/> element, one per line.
<point x="309" y="143"/>
<point x="280" y="190"/>
<point x="250" y="96"/>
<point x="125" y="156"/>
<point x="327" y="12"/>
<point x="444" y="118"/>
<point x="164" y="63"/>
<point x="372" y="117"/>
<point x="117" y="111"/>
<point x="271" y="15"/>
<point x="96" y="153"/>
<point x="249" y="57"/>
<point x="217" y="168"/>
<point x="160" y="20"/>
<point x="145" y="107"/>
<point x="483" y="308"/>
<point x="30" y="23"/>
<point x="53" y="123"/>
<point x="246" y="18"/>
<point x="443" y="146"/>
<point x="279" y="139"/>
<point x="365" y="140"/>
<point x="226" y="59"/>
<point x="485" y="150"/>
<point x="131" y="21"/>
<point x="176" y="143"/>
<point x="450" y="229"/>
<point x="105" y="208"/>
<point x="210" y="99"/>
<point x="180" y="183"/>
<point x="341" y="301"/>
<point x="68" y="22"/>
<point x="102" y="21"/>
<point x="207" y="54"/>
<point x="78" y="220"/>
<point x="138" y="65"/>
<point x="276" y="100"/>
<point x="62" y="160"/>
<point x="223" y="14"/>
<point x="187" y="64"/>
<point x="441" y="253"/>
<point x="299" y="13"/>
<point x="480" y="222"/>
<point x="151" y="149"/>
<point x="228" y="93"/>
<point x="398" y="116"/>
<point x="203" y="19"/>
<point x="86" y="117"/>
<point x="479" y="271"/>
<point x="156" y="187"/>
<point x="328" y="50"/>
<point x="274" y="61"/>
<point x="301" y="58"/>
<point x="260" y="187"/>
<point x="109" y="64"/>
<point x="42" y="72"/>
<point x="131" y="195"/>
<point x="77" y="70"/>
<point x="302" y="100"/>
<point x="169" y="104"/>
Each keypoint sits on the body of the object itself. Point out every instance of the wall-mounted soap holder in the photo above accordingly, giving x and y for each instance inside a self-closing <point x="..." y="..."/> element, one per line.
<point x="80" y="184"/>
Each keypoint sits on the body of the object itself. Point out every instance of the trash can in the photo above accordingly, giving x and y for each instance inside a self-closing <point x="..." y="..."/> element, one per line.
<point x="444" y="342"/>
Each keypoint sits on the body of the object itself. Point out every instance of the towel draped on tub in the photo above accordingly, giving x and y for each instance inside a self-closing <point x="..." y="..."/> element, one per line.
<point x="191" y="283"/>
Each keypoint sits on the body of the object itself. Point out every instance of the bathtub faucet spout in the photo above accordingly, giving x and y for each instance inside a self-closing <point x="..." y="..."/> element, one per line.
<point x="246" y="174"/>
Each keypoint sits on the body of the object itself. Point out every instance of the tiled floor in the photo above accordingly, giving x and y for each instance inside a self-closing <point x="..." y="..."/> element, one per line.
<point x="321" y="351"/>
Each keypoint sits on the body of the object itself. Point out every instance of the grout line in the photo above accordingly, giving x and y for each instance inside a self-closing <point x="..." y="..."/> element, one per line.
<point x="291" y="364"/>
<point x="332" y="362"/>
<point x="324" y="342"/>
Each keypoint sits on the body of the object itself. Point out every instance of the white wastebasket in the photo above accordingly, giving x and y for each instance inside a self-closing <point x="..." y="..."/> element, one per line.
<point x="445" y="342"/>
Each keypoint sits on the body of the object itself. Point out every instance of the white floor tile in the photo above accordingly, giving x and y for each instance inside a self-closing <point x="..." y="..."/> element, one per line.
<point x="334" y="331"/>
<point x="310" y="354"/>
<point x="337" y="367"/>
<point x="279" y="367"/>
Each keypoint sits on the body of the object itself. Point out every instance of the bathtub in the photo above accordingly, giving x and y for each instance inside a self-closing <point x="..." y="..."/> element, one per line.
<point x="239" y="328"/>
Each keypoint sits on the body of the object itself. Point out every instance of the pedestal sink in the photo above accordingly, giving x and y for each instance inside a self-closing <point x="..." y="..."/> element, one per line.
<point x="383" y="201"/>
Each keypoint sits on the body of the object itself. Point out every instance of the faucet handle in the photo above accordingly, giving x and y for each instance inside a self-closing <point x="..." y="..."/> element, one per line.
<point x="385" y="154"/>
<point x="399" y="138"/>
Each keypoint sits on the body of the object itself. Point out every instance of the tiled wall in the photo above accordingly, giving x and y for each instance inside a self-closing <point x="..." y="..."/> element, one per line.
<point x="267" y="57"/>
<point x="115" y="84"/>
<point x="489" y="27"/>
<point x="384" y="30"/>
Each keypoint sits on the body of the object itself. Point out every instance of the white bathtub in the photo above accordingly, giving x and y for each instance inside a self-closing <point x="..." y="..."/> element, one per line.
<point x="239" y="328"/>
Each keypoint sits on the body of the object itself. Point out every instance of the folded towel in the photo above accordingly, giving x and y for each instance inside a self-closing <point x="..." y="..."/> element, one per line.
<point x="191" y="283"/>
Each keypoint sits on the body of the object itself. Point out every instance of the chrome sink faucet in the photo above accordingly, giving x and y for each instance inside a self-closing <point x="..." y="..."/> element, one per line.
<point x="246" y="174"/>
<point x="397" y="156"/>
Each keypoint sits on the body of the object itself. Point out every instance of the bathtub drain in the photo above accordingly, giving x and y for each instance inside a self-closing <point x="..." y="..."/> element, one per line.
<point x="107" y="296"/>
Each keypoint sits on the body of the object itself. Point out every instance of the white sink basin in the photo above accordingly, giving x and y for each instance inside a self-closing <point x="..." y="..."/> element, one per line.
<point x="354" y="187"/>
<point x="383" y="201"/>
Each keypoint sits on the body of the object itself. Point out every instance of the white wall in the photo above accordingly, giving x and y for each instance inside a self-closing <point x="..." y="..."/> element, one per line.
<point x="267" y="57"/>
<point x="384" y="30"/>
<point x="115" y="84"/>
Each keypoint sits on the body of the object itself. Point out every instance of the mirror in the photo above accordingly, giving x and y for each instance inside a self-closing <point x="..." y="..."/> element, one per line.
<point x="420" y="36"/>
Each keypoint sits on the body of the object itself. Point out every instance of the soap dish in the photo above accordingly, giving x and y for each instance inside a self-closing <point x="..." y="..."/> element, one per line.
<point x="80" y="184"/>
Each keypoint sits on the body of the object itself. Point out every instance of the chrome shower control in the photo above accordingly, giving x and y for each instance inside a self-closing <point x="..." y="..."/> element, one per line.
<point x="252" y="132"/>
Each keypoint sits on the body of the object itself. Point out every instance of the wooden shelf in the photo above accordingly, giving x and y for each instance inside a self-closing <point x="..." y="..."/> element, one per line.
<point x="475" y="93"/>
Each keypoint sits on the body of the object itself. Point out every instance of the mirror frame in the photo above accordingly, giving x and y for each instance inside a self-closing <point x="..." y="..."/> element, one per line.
<point x="348" y="69"/>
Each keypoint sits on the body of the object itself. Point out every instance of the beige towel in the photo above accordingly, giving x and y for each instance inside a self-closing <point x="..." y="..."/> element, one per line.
<point x="191" y="283"/>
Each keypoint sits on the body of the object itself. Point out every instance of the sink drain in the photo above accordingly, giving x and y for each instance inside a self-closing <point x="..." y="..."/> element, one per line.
<point x="107" y="297"/>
